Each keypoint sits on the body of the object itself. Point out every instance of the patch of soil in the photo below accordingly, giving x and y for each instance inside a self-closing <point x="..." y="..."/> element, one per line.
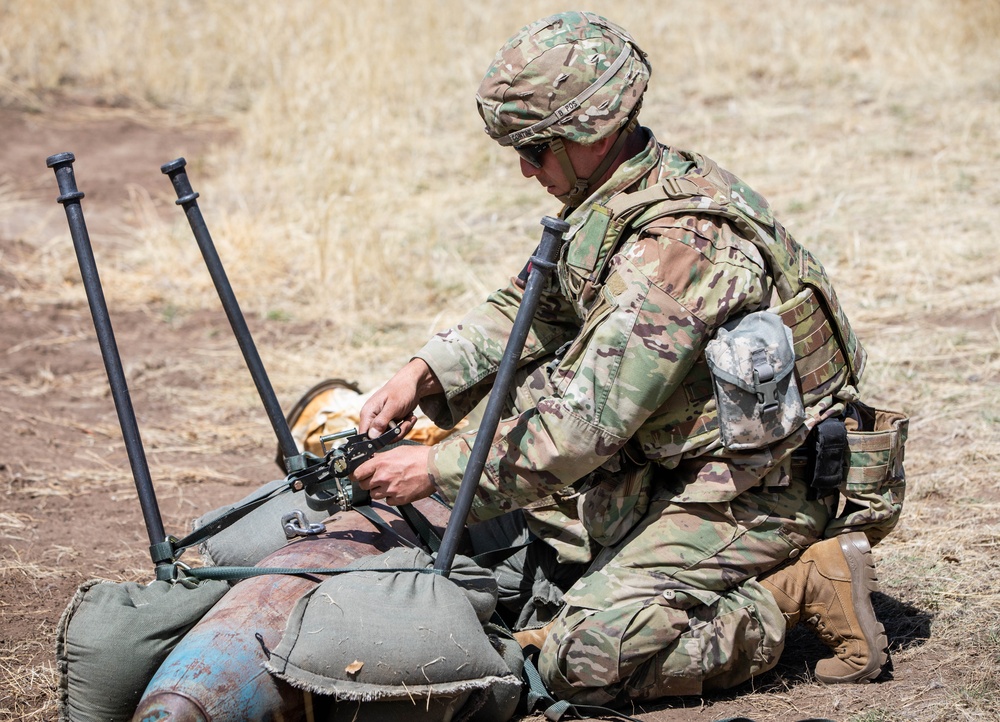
<point x="117" y="150"/>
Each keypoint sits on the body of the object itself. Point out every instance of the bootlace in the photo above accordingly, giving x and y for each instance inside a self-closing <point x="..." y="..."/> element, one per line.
<point x="829" y="637"/>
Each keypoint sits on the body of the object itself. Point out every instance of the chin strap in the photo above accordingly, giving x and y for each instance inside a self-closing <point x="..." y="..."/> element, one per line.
<point x="581" y="187"/>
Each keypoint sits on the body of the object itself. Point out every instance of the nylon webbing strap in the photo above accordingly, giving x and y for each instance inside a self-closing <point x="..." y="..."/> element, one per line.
<point x="616" y="148"/>
<point x="555" y="710"/>
<point x="431" y="542"/>
<point x="371" y="515"/>
<point x="578" y="192"/>
<point x="495" y="556"/>
<point x="418" y="523"/>
<point x="163" y="552"/>
<point x="420" y="526"/>
<point x="236" y="573"/>
<point x="230" y="517"/>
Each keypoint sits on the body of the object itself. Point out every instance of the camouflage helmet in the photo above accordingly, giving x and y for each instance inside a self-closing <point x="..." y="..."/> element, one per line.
<point x="575" y="75"/>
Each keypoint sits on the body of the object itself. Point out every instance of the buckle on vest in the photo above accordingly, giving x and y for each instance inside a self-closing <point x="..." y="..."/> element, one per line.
<point x="673" y="188"/>
<point x="764" y="384"/>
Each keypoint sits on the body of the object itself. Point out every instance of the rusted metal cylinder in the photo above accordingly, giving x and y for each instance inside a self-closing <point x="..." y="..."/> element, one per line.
<point x="215" y="674"/>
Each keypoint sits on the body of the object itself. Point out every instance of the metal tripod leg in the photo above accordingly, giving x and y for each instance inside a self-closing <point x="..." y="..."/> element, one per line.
<point x="188" y="199"/>
<point x="160" y="548"/>
<point x="542" y="265"/>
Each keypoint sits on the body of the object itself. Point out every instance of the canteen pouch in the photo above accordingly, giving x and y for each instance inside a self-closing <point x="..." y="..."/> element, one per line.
<point x="875" y="485"/>
<point x="752" y="361"/>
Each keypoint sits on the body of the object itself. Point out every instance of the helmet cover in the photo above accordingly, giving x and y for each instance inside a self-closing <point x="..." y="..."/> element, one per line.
<point x="574" y="75"/>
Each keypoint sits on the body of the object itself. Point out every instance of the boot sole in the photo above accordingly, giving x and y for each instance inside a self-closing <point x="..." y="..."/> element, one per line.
<point x="858" y="553"/>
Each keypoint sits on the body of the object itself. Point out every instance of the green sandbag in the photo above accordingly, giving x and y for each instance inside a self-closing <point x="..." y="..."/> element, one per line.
<point x="410" y="644"/>
<point x="259" y="533"/>
<point x="113" y="637"/>
<point x="502" y="698"/>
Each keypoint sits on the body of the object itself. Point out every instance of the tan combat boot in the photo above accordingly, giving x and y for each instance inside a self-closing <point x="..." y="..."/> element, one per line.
<point x="829" y="588"/>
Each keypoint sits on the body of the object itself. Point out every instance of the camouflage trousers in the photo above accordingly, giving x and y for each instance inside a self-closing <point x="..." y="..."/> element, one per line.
<point x="674" y="608"/>
<point x="670" y="605"/>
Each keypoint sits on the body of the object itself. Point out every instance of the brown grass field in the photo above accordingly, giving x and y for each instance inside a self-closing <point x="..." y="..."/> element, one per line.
<point x="359" y="207"/>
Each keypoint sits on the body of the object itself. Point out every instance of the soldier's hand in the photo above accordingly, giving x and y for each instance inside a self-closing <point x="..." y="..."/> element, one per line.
<point x="397" y="399"/>
<point x="396" y="476"/>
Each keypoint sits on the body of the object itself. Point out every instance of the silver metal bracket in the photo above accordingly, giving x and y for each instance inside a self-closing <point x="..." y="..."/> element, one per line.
<point x="295" y="524"/>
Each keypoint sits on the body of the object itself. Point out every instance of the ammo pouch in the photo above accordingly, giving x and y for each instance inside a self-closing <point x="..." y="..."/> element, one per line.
<point x="752" y="360"/>
<point x="875" y="482"/>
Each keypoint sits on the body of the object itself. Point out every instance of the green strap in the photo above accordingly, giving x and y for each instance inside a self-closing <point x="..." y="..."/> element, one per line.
<point x="164" y="551"/>
<point x="420" y="526"/>
<point x="539" y="697"/>
<point x="418" y="523"/>
<point x="371" y="515"/>
<point x="537" y="692"/>
<point x="495" y="556"/>
<point x="230" y="517"/>
<point x="236" y="573"/>
<point x="555" y="710"/>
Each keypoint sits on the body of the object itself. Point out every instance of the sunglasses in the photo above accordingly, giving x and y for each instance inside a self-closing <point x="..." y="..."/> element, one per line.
<point x="532" y="154"/>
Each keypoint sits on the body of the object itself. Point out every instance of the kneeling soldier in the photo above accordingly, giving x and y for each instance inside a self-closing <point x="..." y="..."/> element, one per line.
<point x="661" y="437"/>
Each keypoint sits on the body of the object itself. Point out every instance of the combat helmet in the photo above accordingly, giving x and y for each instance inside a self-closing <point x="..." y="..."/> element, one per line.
<point x="572" y="76"/>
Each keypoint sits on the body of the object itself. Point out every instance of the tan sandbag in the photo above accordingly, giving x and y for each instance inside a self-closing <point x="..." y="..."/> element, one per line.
<point x="335" y="405"/>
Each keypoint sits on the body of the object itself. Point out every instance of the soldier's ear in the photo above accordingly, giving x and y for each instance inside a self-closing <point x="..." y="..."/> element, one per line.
<point x="602" y="146"/>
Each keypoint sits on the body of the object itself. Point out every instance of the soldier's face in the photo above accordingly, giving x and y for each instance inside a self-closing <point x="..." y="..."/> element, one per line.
<point x="585" y="159"/>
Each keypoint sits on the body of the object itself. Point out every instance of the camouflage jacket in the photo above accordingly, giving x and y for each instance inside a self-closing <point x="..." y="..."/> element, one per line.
<point x="630" y="317"/>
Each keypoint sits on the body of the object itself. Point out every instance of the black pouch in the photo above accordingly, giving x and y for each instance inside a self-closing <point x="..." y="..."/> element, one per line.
<point x="828" y="456"/>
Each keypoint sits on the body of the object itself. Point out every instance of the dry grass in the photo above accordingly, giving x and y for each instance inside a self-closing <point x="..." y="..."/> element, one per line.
<point x="362" y="199"/>
<point x="362" y="157"/>
<point x="27" y="693"/>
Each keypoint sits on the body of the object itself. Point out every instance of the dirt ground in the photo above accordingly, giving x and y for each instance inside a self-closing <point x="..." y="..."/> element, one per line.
<point x="69" y="511"/>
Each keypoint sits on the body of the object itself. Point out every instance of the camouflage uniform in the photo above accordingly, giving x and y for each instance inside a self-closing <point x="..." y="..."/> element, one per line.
<point x="613" y="448"/>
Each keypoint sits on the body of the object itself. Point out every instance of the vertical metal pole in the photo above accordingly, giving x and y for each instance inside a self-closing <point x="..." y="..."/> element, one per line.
<point x="62" y="164"/>
<point x="188" y="199"/>
<point x="542" y="265"/>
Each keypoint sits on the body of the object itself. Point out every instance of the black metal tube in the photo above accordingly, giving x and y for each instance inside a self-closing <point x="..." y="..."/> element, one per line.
<point x="62" y="164"/>
<point x="188" y="199"/>
<point x="542" y="265"/>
